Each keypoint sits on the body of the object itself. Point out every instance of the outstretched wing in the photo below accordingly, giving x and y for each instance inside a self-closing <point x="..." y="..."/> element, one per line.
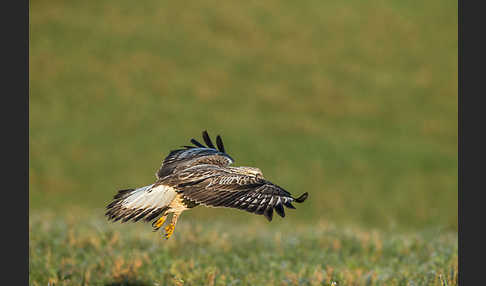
<point x="214" y="187"/>
<point x="194" y="155"/>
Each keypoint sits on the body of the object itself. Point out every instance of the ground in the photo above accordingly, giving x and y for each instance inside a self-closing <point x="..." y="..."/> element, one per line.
<point x="85" y="250"/>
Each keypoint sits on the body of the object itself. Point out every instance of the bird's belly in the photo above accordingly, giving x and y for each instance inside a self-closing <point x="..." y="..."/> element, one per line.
<point x="177" y="205"/>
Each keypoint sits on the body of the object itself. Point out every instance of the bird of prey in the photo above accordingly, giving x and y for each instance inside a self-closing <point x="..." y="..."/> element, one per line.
<point x="200" y="175"/>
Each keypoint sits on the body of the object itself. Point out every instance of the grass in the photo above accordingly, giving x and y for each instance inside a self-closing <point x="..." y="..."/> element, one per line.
<point x="355" y="103"/>
<point x="88" y="251"/>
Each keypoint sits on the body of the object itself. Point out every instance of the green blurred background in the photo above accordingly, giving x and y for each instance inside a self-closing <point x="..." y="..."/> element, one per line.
<point x="352" y="101"/>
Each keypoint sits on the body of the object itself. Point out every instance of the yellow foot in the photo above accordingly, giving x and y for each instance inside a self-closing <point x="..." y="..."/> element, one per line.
<point x="169" y="230"/>
<point x="159" y="223"/>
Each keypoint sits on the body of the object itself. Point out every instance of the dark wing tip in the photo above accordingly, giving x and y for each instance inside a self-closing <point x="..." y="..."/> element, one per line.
<point x="207" y="139"/>
<point x="209" y="143"/>
<point x="268" y="213"/>
<point x="289" y="205"/>
<point x="188" y="147"/>
<point x="195" y="142"/>
<point x="219" y="143"/>
<point x="302" y="197"/>
<point x="280" y="209"/>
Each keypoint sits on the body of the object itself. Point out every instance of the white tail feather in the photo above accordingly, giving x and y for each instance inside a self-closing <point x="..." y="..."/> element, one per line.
<point x="148" y="197"/>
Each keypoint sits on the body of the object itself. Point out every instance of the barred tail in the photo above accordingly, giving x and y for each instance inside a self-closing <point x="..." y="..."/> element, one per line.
<point x="134" y="204"/>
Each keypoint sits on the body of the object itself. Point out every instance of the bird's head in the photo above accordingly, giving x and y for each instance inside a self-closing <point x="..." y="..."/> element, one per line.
<point x="252" y="171"/>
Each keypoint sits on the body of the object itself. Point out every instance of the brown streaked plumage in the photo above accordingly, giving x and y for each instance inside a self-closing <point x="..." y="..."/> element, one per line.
<point x="200" y="175"/>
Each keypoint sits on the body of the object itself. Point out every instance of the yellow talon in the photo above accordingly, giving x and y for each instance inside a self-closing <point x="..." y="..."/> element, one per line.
<point x="160" y="222"/>
<point x="169" y="230"/>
